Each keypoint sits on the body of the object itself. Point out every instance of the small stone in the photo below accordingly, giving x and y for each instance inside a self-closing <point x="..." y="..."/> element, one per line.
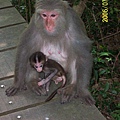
<point x="2" y="86"/>
<point x="10" y="102"/>
<point x="46" y="118"/>
<point x="18" y="117"/>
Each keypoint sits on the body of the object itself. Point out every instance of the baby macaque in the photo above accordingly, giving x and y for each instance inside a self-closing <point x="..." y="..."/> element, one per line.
<point x="51" y="69"/>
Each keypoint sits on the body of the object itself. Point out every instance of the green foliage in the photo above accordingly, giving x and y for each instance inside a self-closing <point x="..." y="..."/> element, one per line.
<point x="25" y="7"/>
<point x="105" y="84"/>
<point x="107" y="98"/>
<point x="103" y="62"/>
<point x="116" y="113"/>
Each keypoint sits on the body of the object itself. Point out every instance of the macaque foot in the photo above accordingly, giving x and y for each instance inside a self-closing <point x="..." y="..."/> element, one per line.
<point x="85" y="97"/>
<point x="11" y="91"/>
<point x="39" y="90"/>
<point x="67" y="93"/>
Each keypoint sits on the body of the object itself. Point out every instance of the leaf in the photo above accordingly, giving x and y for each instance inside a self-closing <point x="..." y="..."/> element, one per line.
<point x="107" y="85"/>
<point x="96" y="74"/>
<point x="116" y="9"/>
<point x="104" y="95"/>
<point x="100" y="60"/>
<point x="102" y="72"/>
<point x="108" y="59"/>
<point x="114" y="92"/>
<point x="104" y="54"/>
<point x="118" y="105"/>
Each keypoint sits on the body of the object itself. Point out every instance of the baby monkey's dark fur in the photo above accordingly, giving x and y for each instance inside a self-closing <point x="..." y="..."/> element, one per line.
<point x="51" y="69"/>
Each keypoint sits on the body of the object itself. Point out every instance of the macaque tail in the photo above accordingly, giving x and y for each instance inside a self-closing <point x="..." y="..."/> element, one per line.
<point x="52" y="95"/>
<point x="55" y="92"/>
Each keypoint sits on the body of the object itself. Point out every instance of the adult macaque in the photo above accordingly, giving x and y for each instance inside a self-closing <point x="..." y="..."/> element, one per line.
<point x="52" y="70"/>
<point x="57" y="31"/>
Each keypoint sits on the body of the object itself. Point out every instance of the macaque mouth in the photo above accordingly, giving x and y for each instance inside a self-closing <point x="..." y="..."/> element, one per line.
<point x="49" y="29"/>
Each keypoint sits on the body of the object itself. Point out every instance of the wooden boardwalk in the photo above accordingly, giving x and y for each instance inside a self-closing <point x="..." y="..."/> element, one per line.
<point x="26" y="104"/>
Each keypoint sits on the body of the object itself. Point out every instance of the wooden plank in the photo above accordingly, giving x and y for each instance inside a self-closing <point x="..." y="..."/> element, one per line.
<point x="21" y="99"/>
<point x="55" y="111"/>
<point x="9" y="36"/>
<point x="10" y="16"/>
<point x="5" y="3"/>
<point x="7" y="60"/>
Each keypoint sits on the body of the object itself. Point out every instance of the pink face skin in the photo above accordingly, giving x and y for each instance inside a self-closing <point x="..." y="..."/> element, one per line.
<point x="49" y="19"/>
<point x="38" y="66"/>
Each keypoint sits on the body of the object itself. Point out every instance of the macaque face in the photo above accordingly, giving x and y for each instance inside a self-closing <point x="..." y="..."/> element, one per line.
<point x="49" y="18"/>
<point x="37" y="61"/>
<point x="38" y="66"/>
<point x="51" y="21"/>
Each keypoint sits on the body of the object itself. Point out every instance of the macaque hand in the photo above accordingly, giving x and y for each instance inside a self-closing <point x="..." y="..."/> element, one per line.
<point x="39" y="90"/>
<point x="13" y="90"/>
<point x="67" y="93"/>
<point x="42" y="82"/>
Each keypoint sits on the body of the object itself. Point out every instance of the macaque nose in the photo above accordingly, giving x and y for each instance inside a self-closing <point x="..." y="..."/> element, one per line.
<point x="39" y="69"/>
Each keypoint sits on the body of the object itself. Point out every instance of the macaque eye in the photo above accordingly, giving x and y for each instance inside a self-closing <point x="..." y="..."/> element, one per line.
<point x="36" y="66"/>
<point x="53" y="15"/>
<point x="41" y="65"/>
<point x="44" y="15"/>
